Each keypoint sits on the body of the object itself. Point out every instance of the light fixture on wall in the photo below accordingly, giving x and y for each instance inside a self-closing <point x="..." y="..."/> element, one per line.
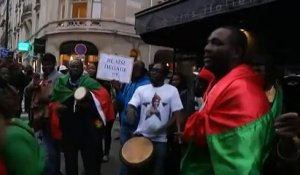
<point x="135" y="53"/>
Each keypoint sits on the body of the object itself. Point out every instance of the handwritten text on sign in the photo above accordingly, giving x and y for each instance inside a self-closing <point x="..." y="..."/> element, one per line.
<point x="115" y="67"/>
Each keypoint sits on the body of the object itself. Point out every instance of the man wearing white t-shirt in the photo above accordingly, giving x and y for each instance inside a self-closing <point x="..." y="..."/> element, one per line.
<point x="157" y="101"/>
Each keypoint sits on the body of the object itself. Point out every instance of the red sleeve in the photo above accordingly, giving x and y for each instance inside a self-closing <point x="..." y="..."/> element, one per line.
<point x="54" y="121"/>
<point x="2" y="168"/>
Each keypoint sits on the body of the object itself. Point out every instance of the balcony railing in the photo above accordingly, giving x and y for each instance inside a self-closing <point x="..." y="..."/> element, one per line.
<point x="86" y="25"/>
<point x="93" y="25"/>
<point x="75" y="24"/>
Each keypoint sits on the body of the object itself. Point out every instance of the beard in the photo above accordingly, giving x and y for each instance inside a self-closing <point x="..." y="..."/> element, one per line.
<point x="218" y="64"/>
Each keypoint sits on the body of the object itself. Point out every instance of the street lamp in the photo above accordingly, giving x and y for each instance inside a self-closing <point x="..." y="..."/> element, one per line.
<point x="6" y="24"/>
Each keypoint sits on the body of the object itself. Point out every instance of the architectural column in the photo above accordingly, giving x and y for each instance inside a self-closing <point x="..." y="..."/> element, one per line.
<point x="43" y="15"/>
<point x="55" y="10"/>
<point x="89" y="9"/>
<point x="68" y="6"/>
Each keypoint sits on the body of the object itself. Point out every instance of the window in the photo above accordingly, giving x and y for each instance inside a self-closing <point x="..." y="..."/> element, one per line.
<point x="96" y="9"/>
<point x="79" y="9"/>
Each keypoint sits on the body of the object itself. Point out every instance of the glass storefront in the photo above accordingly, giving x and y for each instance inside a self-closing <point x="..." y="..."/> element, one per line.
<point x="86" y="59"/>
<point x="86" y="51"/>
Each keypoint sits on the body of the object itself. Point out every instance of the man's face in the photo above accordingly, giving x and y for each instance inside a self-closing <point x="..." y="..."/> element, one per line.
<point x="28" y="70"/>
<point x="75" y="69"/>
<point x="10" y="105"/>
<point x="156" y="103"/>
<point x="156" y="73"/>
<point x="218" y="51"/>
<point x="47" y="67"/>
<point x="137" y="70"/>
<point x="91" y="69"/>
<point x="4" y="73"/>
<point x="176" y="81"/>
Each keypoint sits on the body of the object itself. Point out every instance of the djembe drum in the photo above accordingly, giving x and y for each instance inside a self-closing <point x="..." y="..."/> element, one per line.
<point x="137" y="154"/>
<point x="80" y="93"/>
<point x="80" y="96"/>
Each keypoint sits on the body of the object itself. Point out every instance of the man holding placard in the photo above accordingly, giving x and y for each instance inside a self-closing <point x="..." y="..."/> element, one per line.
<point x="139" y="78"/>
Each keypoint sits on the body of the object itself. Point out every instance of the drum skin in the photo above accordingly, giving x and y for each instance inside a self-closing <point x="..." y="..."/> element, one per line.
<point x="80" y="93"/>
<point x="137" y="153"/>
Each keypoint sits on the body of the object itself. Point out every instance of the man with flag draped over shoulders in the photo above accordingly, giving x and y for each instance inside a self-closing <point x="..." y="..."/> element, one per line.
<point x="233" y="132"/>
<point x="80" y="124"/>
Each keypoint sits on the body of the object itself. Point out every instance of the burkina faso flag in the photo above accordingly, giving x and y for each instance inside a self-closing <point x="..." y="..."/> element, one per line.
<point x="224" y="142"/>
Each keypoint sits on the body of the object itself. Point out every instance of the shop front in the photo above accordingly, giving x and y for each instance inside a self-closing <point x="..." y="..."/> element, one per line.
<point x="86" y="51"/>
<point x="185" y="25"/>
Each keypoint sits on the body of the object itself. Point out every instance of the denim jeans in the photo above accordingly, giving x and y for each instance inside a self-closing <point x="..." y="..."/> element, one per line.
<point x="52" y="166"/>
<point x="125" y="134"/>
<point x="160" y="157"/>
<point x="107" y="137"/>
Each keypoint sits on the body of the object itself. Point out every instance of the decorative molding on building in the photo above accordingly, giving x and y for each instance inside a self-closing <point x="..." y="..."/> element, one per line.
<point x="37" y="5"/>
<point x="85" y="25"/>
<point x="27" y="11"/>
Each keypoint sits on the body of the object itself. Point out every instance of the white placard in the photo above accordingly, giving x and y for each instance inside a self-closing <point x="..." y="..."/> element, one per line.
<point x="115" y="67"/>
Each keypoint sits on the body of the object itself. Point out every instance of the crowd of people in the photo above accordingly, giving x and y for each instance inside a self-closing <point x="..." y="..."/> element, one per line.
<point x="232" y="121"/>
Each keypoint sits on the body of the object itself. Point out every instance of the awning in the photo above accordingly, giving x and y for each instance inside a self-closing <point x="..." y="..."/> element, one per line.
<point x="180" y="23"/>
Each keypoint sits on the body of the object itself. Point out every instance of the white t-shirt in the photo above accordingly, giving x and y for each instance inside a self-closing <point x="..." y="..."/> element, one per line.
<point x="157" y="103"/>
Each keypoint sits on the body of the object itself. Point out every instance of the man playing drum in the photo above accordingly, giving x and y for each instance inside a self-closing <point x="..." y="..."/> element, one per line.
<point x="82" y="107"/>
<point x="156" y="100"/>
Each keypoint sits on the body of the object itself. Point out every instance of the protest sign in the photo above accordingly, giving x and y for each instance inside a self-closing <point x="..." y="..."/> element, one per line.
<point x="115" y="67"/>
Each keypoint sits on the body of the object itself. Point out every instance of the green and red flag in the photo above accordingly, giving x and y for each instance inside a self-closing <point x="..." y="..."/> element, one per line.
<point x="61" y="93"/>
<point x="233" y="133"/>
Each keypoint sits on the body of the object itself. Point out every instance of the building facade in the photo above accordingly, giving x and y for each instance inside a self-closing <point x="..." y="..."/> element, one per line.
<point x="77" y="28"/>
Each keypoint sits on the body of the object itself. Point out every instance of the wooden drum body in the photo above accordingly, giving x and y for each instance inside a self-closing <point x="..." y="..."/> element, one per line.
<point x="137" y="153"/>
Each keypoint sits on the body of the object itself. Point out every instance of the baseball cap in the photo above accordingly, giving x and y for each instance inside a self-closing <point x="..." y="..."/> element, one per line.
<point x="62" y="67"/>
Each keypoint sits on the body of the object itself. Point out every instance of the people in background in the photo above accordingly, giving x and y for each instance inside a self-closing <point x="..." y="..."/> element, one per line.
<point x="63" y="69"/>
<point x="287" y="126"/>
<point x="17" y="78"/>
<point x="40" y="89"/>
<point x="174" y="147"/>
<point x="20" y="152"/>
<point x="28" y="71"/>
<point x="186" y="97"/>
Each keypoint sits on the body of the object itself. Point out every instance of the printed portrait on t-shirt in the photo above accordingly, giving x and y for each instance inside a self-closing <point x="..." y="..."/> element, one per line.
<point x="153" y="107"/>
<point x="153" y="111"/>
